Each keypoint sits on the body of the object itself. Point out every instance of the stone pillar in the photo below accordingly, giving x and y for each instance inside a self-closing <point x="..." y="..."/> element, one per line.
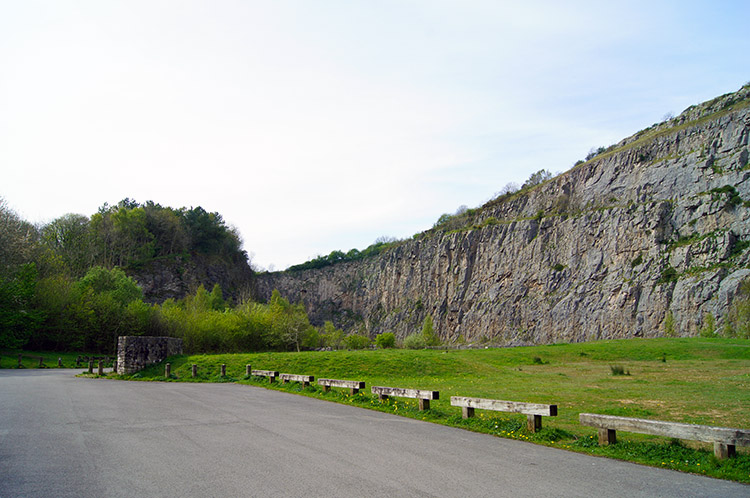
<point x="194" y="370"/>
<point x="100" y="370"/>
<point x="91" y="366"/>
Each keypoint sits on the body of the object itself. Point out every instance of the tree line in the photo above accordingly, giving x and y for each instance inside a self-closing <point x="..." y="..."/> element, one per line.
<point x="64" y="284"/>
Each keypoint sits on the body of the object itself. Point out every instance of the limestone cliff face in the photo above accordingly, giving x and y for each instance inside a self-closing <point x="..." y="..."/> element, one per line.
<point x="174" y="279"/>
<point x="655" y="227"/>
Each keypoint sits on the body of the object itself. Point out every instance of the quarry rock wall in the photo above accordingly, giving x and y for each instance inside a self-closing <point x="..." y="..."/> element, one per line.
<point x="646" y="239"/>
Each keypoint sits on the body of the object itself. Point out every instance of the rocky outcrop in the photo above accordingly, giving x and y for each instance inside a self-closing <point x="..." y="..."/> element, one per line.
<point x="163" y="279"/>
<point x="647" y="238"/>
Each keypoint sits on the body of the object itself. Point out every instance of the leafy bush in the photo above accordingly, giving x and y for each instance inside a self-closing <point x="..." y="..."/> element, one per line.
<point x="428" y="332"/>
<point x="537" y="178"/>
<point x="737" y="322"/>
<point x="668" y="274"/>
<point x="356" y="341"/>
<point x="414" y="341"/>
<point x="669" y="326"/>
<point x="708" y="329"/>
<point x="331" y="336"/>
<point x="385" y="340"/>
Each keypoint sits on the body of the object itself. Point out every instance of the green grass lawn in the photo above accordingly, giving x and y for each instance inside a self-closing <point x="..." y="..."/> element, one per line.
<point x="693" y="380"/>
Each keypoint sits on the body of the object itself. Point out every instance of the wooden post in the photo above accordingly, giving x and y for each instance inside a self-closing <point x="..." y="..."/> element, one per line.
<point x="19" y="360"/>
<point x="424" y="404"/>
<point x="41" y="362"/>
<point x="223" y="370"/>
<point x="607" y="436"/>
<point x="78" y="361"/>
<point x="101" y="368"/>
<point x="533" y="422"/>
<point x="91" y="366"/>
<point x="167" y="370"/>
<point x="467" y="411"/>
<point x="248" y="370"/>
<point x="114" y="365"/>
<point x="194" y="370"/>
<point x="59" y="363"/>
<point x="722" y="451"/>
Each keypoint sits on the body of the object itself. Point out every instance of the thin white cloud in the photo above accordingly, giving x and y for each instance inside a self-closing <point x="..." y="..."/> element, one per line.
<point x="319" y="126"/>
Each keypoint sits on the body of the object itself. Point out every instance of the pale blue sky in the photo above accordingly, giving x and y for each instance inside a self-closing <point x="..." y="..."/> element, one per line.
<point x="321" y="125"/>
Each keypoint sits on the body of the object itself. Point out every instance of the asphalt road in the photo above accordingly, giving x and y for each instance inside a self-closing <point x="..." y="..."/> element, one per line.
<point x="64" y="436"/>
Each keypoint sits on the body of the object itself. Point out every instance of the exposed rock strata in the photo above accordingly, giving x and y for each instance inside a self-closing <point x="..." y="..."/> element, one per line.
<point x="174" y="279"/>
<point x="606" y="250"/>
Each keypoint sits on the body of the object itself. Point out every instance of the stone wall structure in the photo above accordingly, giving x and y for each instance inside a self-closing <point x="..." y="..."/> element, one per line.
<point x="136" y="352"/>
<point x="649" y="238"/>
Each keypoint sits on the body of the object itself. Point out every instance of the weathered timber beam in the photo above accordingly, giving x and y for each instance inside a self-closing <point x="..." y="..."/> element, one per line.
<point x="505" y="406"/>
<point x="705" y="433"/>
<point x="305" y="379"/>
<point x="405" y="393"/>
<point x="353" y="385"/>
<point x="724" y="439"/>
<point x="271" y="374"/>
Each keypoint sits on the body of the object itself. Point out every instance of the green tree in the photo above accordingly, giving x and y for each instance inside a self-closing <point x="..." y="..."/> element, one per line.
<point x="69" y="238"/>
<point x="65" y="316"/>
<point x="332" y="337"/>
<point x="414" y="341"/>
<point x="737" y="320"/>
<point x="18" y="319"/>
<point x="540" y="176"/>
<point x="428" y="332"/>
<point x="106" y="293"/>
<point x="385" y="340"/>
<point x="356" y="341"/>
<point x="17" y="241"/>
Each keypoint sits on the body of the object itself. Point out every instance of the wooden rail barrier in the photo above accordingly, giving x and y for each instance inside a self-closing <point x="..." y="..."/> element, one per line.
<point x="422" y="395"/>
<point x="725" y="440"/>
<point x="533" y="411"/>
<point x="353" y="385"/>
<point x="305" y="379"/>
<point x="271" y="374"/>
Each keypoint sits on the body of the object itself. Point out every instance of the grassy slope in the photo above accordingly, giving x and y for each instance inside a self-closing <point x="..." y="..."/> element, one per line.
<point x="694" y="380"/>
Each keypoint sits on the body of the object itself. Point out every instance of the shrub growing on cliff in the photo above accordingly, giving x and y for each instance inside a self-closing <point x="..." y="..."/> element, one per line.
<point x="356" y="341"/>
<point x="737" y="322"/>
<point x="414" y="341"/>
<point x="428" y="332"/>
<point x="669" y="326"/>
<point x="708" y="328"/>
<point x="385" y="340"/>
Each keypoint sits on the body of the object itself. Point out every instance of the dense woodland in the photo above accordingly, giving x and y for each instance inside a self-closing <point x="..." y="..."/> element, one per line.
<point x="65" y="285"/>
